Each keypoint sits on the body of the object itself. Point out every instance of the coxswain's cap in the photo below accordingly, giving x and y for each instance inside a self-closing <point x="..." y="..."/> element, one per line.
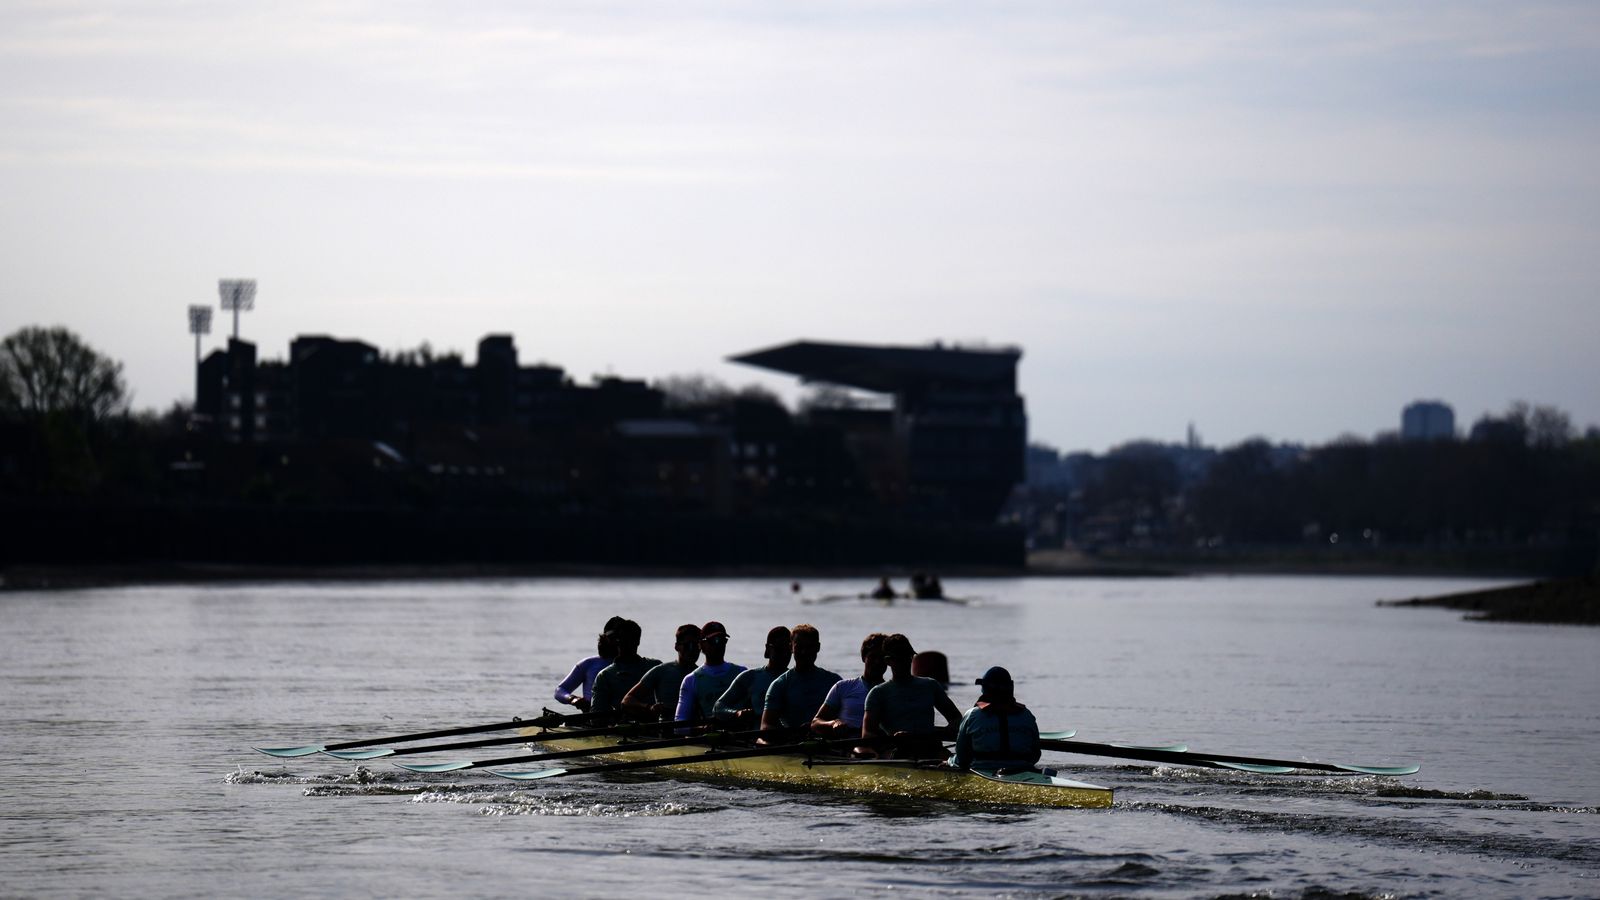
<point x="995" y="677"/>
<point x="712" y="630"/>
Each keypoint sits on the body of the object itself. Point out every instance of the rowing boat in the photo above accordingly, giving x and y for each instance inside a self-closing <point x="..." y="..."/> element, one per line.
<point x="911" y="778"/>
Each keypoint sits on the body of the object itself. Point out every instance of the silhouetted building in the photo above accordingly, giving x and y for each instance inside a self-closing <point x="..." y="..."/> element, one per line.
<point x="952" y="444"/>
<point x="1428" y="420"/>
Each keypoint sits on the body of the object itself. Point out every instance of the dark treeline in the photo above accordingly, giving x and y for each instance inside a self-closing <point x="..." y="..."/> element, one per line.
<point x="1520" y="491"/>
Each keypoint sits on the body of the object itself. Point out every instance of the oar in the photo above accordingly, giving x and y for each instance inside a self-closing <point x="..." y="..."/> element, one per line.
<point x="621" y="728"/>
<point x="713" y="737"/>
<point x="548" y="718"/>
<point x="1220" y="761"/>
<point x="808" y="746"/>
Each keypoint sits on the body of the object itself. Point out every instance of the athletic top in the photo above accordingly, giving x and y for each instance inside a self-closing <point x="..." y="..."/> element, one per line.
<point x="748" y="691"/>
<point x="994" y="736"/>
<point x="583" y="673"/>
<point x="905" y="705"/>
<point x="697" y="698"/>
<point x="615" y="681"/>
<point x="795" y="696"/>
<point x="849" y="698"/>
<point x="663" y="681"/>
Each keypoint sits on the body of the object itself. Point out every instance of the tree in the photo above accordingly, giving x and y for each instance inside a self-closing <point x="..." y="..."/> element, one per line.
<point x="51" y="370"/>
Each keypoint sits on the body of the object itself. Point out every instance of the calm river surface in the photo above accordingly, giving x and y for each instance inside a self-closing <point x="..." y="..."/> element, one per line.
<point x="128" y="715"/>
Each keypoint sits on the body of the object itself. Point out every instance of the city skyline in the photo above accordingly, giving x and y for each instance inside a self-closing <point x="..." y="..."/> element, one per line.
<point x="1284" y="222"/>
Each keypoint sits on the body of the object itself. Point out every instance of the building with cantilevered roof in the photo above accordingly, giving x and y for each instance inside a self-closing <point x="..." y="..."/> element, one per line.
<point x="952" y="444"/>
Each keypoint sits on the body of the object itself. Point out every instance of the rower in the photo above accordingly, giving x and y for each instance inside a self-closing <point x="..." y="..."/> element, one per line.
<point x="584" y="672"/>
<point x="903" y="706"/>
<point x="697" y="697"/>
<point x="840" y="715"/>
<point x="884" y="590"/>
<point x="796" y="695"/>
<point x="746" y="698"/>
<point x="998" y="733"/>
<point x="656" y="694"/>
<point x="615" y="680"/>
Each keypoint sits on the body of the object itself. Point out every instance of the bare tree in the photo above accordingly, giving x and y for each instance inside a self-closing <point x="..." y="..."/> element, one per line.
<point x="51" y="370"/>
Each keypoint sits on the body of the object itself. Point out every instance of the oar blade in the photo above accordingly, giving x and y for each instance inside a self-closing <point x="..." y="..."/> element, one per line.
<point x="1164" y="748"/>
<point x="1251" y="767"/>
<point x="1058" y="735"/>
<point x="531" y="775"/>
<point x="1381" y="770"/>
<point x="430" y="768"/>
<point x="374" y="753"/>
<point x="288" y="752"/>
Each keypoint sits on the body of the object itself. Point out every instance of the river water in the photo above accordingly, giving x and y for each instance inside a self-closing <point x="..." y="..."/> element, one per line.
<point x="128" y="716"/>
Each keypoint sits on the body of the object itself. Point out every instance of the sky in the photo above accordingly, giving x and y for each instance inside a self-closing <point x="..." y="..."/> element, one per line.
<point x="1284" y="220"/>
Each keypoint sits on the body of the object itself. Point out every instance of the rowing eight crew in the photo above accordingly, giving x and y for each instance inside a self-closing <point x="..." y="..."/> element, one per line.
<point x="997" y="733"/>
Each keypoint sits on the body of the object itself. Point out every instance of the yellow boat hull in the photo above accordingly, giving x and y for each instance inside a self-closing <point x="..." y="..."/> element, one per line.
<point x="905" y="778"/>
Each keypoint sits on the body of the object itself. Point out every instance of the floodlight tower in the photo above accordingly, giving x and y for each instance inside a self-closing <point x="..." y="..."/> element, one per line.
<point x="199" y="323"/>
<point x="238" y="295"/>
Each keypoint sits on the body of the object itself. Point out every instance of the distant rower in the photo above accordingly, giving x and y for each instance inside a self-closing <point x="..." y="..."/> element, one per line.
<point x="841" y="712"/>
<point x="998" y="733"/>
<point x="656" y="694"/>
<point x="697" y="697"/>
<point x="796" y="695"/>
<point x="746" y="698"/>
<point x="616" y="680"/>
<point x="584" y="672"/>
<point x="903" y="706"/>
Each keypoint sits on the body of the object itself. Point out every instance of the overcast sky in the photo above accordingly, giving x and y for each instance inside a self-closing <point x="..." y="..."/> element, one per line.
<point x="1274" y="219"/>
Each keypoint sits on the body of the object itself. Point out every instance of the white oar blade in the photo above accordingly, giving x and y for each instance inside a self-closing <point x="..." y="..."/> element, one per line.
<point x="1058" y="735"/>
<point x="428" y="768"/>
<point x="1253" y="767"/>
<point x="1382" y="770"/>
<point x="1164" y="748"/>
<point x="532" y="775"/>
<point x="287" y="752"/>
<point x="374" y="753"/>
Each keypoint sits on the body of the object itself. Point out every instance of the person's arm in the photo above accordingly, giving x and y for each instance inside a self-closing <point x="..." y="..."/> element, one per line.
<point x="570" y="683"/>
<point x="826" y="721"/>
<point x="1030" y="733"/>
<point x="963" y="755"/>
<point x="947" y="708"/>
<point x="734" y="703"/>
<point x="686" y="710"/>
<point x="776" y="703"/>
<point x="640" y="699"/>
<point x="600" y="698"/>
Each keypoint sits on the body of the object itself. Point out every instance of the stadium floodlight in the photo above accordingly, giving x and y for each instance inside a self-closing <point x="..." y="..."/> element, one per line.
<point x="199" y="323"/>
<point x="238" y="294"/>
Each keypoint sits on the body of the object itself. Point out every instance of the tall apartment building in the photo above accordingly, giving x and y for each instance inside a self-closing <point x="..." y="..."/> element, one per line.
<point x="1428" y="420"/>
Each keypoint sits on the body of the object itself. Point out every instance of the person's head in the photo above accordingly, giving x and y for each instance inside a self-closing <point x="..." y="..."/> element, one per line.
<point x="687" y="643"/>
<point x="713" y="642"/>
<point x="807" y="644"/>
<point x="625" y="637"/>
<point x="997" y="686"/>
<point x="898" y="651"/>
<point x="874" y="662"/>
<point x="605" y="646"/>
<point x="777" y="649"/>
<point x="931" y="664"/>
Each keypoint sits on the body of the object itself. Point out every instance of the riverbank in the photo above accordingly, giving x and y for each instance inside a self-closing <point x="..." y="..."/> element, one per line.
<point x="1040" y="564"/>
<point x="1557" y="601"/>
